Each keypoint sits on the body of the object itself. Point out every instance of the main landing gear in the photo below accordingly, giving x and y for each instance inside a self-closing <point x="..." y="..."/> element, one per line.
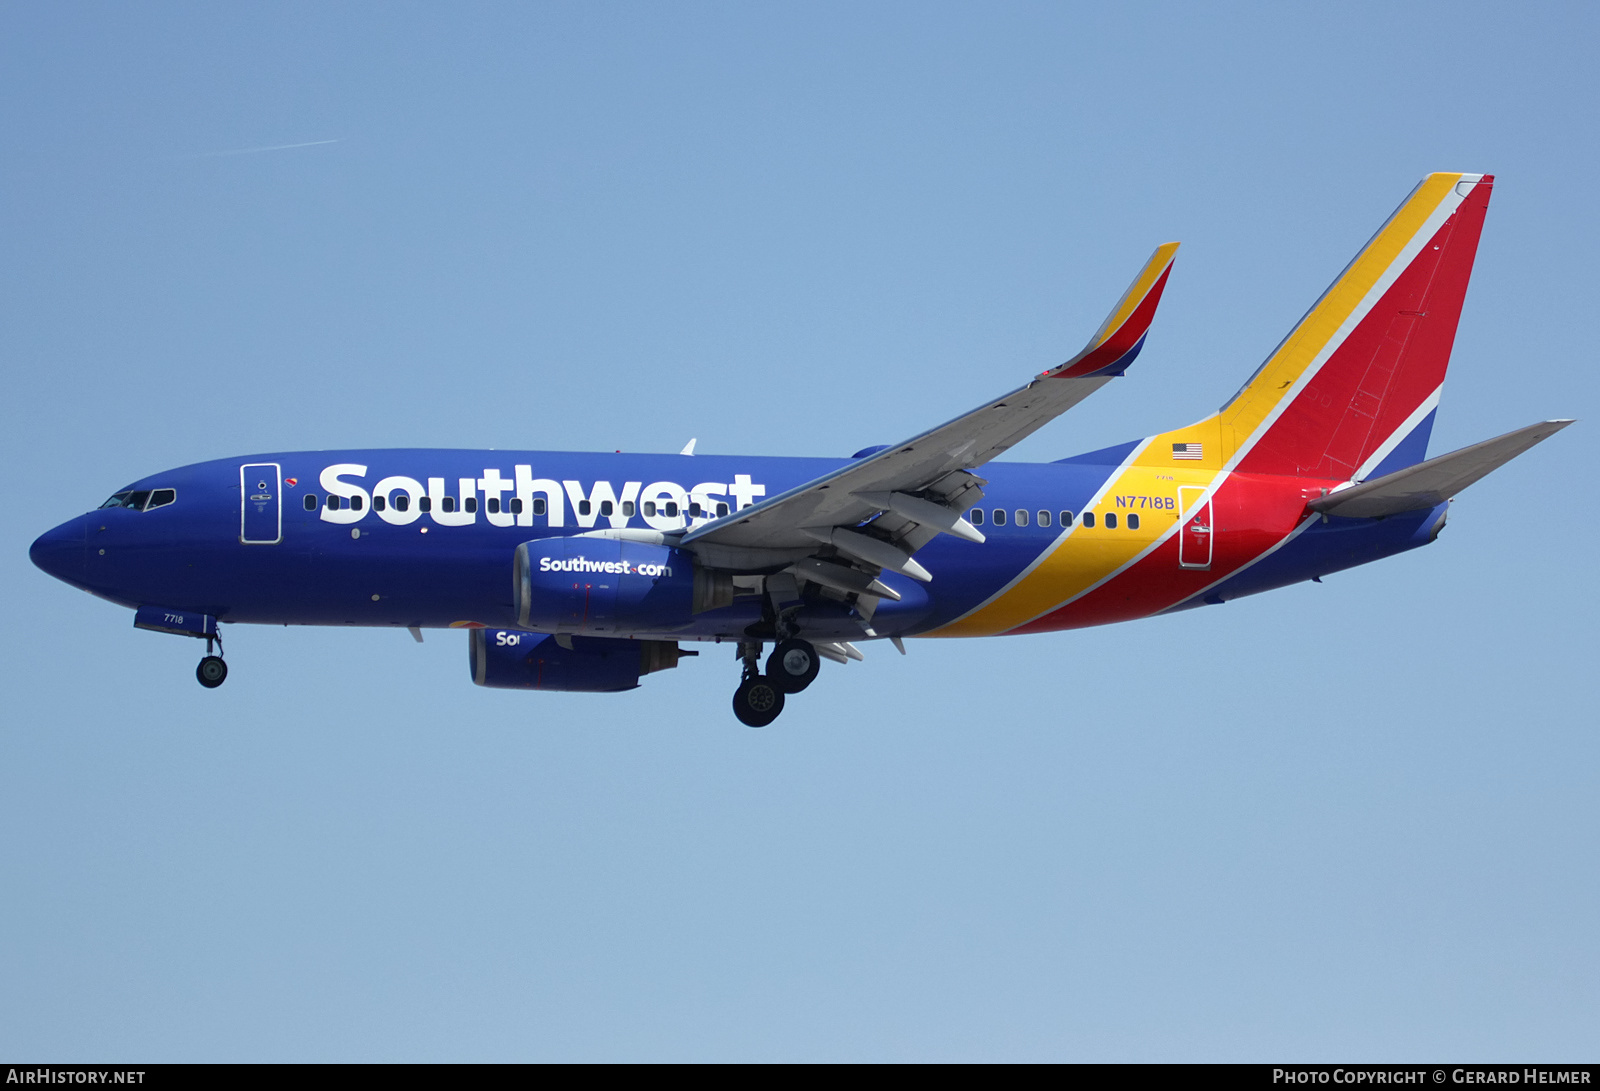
<point x="212" y="671"/>
<point x="757" y="701"/>
<point x="791" y="667"/>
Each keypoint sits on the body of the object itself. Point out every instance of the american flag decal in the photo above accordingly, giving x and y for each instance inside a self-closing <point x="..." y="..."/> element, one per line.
<point x="1188" y="450"/>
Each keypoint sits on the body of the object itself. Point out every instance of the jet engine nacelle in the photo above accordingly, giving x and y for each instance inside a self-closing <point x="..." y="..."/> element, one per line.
<point x="509" y="659"/>
<point x="603" y="585"/>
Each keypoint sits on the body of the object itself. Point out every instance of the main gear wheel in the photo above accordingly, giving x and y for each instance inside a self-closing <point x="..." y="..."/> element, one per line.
<point x="793" y="665"/>
<point x="757" y="701"/>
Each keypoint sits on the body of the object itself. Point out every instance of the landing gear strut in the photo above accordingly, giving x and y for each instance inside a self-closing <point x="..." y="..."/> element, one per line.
<point x="759" y="698"/>
<point x="212" y="671"/>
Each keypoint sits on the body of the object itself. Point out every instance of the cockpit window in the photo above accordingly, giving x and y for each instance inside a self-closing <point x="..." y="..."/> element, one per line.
<point x="142" y="499"/>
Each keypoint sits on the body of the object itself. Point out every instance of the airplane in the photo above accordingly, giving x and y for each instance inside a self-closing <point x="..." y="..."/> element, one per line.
<point x="586" y="572"/>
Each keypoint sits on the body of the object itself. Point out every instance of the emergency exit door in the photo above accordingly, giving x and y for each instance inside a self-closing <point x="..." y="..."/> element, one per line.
<point x="1196" y="538"/>
<point x="260" y="503"/>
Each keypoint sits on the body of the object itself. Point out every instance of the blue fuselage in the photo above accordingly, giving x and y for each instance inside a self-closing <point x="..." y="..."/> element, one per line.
<point x="272" y="550"/>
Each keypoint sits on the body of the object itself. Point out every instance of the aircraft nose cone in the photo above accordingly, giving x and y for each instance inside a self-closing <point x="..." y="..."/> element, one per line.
<point x="60" y="552"/>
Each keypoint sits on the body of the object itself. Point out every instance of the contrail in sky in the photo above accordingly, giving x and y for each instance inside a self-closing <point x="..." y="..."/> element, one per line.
<point x="263" y="148"/>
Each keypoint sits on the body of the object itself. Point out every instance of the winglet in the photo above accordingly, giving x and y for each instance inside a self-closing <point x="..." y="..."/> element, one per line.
<point x="1121" y="336"/>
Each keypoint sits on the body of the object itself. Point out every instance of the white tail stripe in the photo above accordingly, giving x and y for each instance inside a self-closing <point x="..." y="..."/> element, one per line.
<point x="1429" y="404"/>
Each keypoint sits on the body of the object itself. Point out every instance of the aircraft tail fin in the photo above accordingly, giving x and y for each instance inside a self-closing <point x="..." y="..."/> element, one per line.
<point x="1431" y="483"/>
<point x="1351" y="391"/>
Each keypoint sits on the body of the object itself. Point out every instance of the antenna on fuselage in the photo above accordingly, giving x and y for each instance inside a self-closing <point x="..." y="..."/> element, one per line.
<point x="688" y="448"/>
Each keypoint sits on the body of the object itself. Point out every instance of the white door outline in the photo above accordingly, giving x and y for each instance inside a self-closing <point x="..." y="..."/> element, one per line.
<point x="251" y="475"/>
<point x="1196" y="537"/>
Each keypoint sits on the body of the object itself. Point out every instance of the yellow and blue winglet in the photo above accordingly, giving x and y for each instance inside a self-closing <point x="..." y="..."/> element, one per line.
<point x="1121" y="336"/>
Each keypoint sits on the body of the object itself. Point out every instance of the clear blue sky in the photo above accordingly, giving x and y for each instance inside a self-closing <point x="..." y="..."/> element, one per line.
<point x="1354" y="820"/>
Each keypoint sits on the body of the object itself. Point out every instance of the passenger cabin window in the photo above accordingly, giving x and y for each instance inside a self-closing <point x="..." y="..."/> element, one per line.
<point x="975" y="517"/>
<point x="471" y="504"/>
<point x="1111" y="520"/>
<point x="649" y="507"/>
<point x="494" y="505"/>
<point x="627" y="508"/>
<point x="447" y="503"/>
<point x="516" y="505"/>
<point x="605" y="508"/>
<point x="402" y="502"/>
<point x="1088" y="518"/>
<point x="1066" y="518"/>
<point x="424" y="503"/>
<point x="722" y="509"/>
<point x="333" y="502"/>
<point x="379" y="503"/>
<point x="311" y="501"/>
<point x="1022" y="516"/>
<point x="1044" y="518"/>
<point x="999" y="517"/>
<point x="584" y="508"/>
<point x="1133" y="522"/>
<point x="539" y="506"/>
<point x="355" y="502"/>
<point x="672" y="509"/>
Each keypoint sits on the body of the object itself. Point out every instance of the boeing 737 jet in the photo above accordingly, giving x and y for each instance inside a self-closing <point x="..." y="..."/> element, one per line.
<point x="588" y="571"/>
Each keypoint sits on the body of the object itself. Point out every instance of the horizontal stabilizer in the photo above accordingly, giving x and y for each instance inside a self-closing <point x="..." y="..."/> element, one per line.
<point x="1430" y="483"/>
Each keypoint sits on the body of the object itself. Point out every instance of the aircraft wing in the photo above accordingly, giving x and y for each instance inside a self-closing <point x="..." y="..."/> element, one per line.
<point x="1438" y="479"/>
<point x="919" y="487"/>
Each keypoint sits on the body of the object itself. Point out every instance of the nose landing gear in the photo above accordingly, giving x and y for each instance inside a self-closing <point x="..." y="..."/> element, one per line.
<point x="212" y="671"/>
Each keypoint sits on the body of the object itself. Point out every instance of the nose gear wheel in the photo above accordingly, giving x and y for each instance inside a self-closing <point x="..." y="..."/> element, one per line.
<point x="212" y="671"/>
